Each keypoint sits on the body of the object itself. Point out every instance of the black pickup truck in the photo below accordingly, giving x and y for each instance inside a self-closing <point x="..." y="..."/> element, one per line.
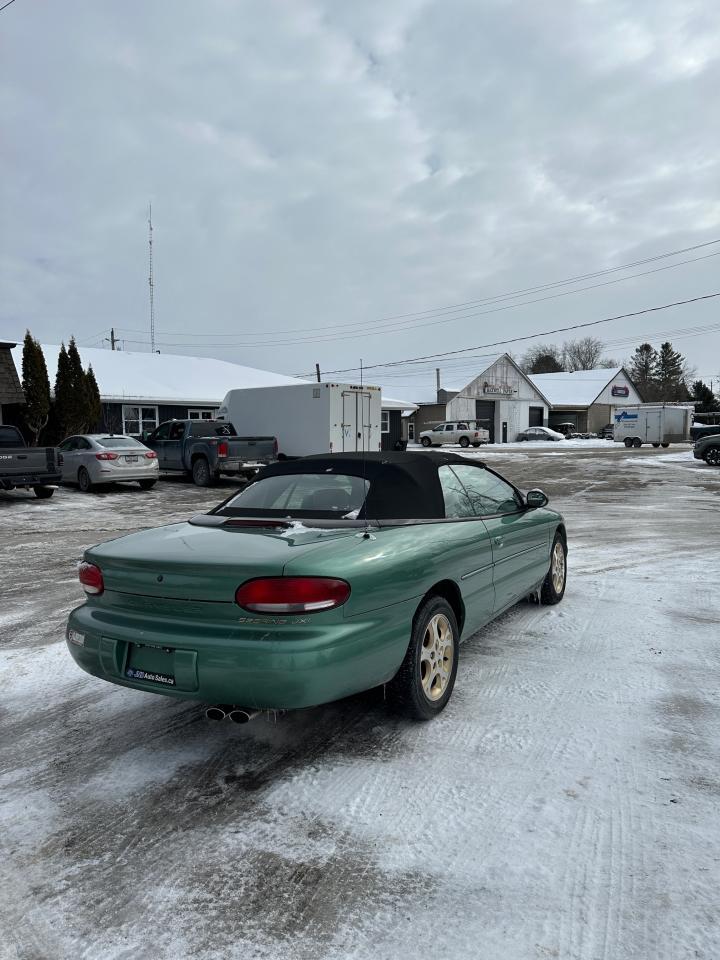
<point x="23" y="466"/>
<point x="204" y="449"/>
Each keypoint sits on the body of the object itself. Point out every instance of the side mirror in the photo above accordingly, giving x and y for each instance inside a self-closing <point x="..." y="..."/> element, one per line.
<point x="535" y="499"/>
<point x="146" y="434"/>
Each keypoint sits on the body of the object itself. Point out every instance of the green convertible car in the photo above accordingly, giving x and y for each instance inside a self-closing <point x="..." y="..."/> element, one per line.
<point x="322" y="577"/>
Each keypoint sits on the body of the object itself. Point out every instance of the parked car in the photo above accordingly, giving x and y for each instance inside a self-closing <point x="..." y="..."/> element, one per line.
<point x="33" y="468"/>
<point x="90" y="459"/>
<point x="322" y="577"/>
<point x="462" y="432"/>
<point x="204" y="449"/>
<point x="707" y="448"/>
<point x="698" y="430"/>
<point x="607" y="432"/>
<point x="566" y="429"/>
<point x="540" y="433"/>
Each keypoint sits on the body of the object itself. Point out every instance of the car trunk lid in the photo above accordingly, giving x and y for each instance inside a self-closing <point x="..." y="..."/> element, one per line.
<point x="190" y="562"/>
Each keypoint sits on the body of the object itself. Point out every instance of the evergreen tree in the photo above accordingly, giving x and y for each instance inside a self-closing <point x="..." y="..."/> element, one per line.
<point x="63" y="391"/>
<point x="704" y="399"/>
<point x="36" y="387"/>
<point x="671" y="374"/>
<point x="643" y="371"/>
<point x="543" y="358"/>
<point x="94" y="407"/>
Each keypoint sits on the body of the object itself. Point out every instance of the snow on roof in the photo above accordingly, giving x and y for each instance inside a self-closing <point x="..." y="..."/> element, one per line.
<point x="163" y="377"/>
<point x="389" y="404"/>
<point x="578" y="389"/>
<point x="171" y="378"/>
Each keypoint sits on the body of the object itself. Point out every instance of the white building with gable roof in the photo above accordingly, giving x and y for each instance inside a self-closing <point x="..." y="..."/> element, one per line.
<point x="586" y="398"/>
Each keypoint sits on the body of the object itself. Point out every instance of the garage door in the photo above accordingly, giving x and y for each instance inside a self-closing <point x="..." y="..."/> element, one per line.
<point x="485" y="416"/>
<point x="536" y="417"/>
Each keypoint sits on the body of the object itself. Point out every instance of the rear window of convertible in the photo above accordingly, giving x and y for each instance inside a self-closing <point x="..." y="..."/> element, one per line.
<point x="301" y="494"/>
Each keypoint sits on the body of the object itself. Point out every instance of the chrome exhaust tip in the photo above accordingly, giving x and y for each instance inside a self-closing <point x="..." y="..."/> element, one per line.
<point x="218" y="712"/>
<point x="242" y="714"/>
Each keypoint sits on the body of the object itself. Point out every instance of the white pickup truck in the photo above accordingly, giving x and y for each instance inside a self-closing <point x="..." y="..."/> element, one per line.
<point x="458" y="431"/>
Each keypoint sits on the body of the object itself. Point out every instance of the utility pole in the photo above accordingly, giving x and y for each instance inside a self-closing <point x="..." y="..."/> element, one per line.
<point x="112" y="338"/>
<point x="437" y="379"/>
<point x="150" y="281"/>
<point x="317" y="372"/>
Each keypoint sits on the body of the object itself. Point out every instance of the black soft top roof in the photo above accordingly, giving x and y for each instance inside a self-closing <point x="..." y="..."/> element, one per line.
<point x="403" y="486"/>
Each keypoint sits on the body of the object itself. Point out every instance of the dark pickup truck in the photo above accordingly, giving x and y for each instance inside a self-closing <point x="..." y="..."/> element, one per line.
<point x="204" y="449"/>
<point x="23" y="466"/>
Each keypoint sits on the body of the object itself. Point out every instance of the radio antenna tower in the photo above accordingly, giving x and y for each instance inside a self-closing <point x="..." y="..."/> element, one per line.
<point x="150" y="281"/>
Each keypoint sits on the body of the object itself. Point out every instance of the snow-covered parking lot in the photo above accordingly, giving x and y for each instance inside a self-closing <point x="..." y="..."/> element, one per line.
<point x="566" y="804"/>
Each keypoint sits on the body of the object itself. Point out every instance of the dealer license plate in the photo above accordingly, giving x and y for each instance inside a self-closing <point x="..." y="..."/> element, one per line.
<point x="134" y="674"/>
<point x="131" y="459"/>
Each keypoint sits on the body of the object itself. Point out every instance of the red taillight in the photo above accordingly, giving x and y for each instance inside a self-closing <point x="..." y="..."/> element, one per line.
<point x="292" y="594"/>
<point x="91" y="578"/>
<point x="151" y="455"/>
<point x="222" y="449"/>
<point x="107" y="456"/>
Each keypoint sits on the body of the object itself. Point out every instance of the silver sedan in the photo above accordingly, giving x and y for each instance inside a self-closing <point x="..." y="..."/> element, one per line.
<point x="93" y="458"/>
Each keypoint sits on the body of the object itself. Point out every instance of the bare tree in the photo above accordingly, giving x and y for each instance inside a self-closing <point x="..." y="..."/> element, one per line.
<point x="584" y="354"/>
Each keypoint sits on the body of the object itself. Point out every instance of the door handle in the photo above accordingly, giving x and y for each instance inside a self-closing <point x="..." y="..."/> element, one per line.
<point x="497" y="541"/>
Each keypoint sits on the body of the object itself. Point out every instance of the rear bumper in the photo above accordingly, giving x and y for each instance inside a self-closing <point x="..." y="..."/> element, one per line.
<point x="255" y="665"/>
<point x="109" y="472"/>
<point x="29" y="480"/>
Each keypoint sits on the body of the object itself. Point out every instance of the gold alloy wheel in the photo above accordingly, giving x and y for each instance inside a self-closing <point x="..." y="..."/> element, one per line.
<point x="557" y="567"/>
<point x="436" y="657"/>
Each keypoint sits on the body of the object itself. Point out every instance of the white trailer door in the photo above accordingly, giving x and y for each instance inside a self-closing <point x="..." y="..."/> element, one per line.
<point x="654" y="426"/>
<point x="356" y="421"/>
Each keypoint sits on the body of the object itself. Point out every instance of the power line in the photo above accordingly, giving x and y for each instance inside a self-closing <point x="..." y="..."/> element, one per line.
<point x="431" y="323"/>
<point x="6" y="5"/>
<point x="464" y="306"/>
<point x="531" y="336"/>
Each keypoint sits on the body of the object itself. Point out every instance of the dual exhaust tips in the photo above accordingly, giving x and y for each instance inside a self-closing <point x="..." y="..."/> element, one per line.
<point x="237" y="714"/>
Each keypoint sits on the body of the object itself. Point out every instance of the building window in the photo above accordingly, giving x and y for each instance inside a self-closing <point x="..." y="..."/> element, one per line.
<point x="201" y="414"/>
<point x="384" y="421"/>
<point x="411" y="430"/>
<point x="136" y="420"/>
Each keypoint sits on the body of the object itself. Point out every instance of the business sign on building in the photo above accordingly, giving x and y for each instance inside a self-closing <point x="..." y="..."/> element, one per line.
<point x="497" y="389"/>
<point x="620" y="391"/>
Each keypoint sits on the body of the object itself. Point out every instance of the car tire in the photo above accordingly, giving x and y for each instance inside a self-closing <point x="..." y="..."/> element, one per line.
<point x="712" y="456"/>
<point x="657" y="446"/>
<point x="523" y="440"/>
<point x="628" y="442"/>
<point x="464" y="442"/>
<point x="664" y="445"/>
<point x="419" y="690"/>
<point x="553" y="588"/>
<point x="202" y="477"/>
<point x="637" y="443"/>
<point x="84" y="481"/>
<point x="43" y="493"/>
<point x="426" y="441"/>
<point x="147" y="484"/>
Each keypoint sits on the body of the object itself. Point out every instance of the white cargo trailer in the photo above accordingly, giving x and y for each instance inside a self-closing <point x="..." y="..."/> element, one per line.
<point x="308" y="418"/>
<point x="657" y="423"/>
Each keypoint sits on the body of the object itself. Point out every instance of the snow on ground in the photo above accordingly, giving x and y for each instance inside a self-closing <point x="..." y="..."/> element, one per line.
<point x="563" y="806"/>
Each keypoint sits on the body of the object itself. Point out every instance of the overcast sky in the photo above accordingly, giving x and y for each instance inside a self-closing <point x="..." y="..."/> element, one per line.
<point x="314" y="166"/>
